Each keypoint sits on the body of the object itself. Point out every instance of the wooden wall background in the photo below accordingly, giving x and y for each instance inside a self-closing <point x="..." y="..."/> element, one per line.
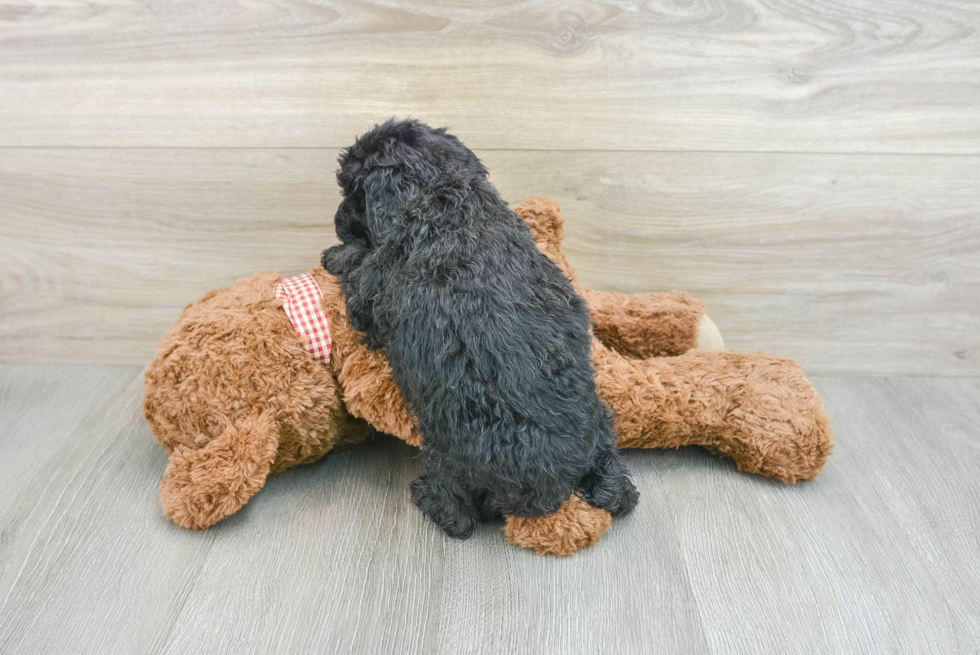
<point x="810" y="168"/>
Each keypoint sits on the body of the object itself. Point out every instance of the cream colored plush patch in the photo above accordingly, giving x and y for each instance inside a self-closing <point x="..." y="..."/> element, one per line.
<point x="709" y="336"/>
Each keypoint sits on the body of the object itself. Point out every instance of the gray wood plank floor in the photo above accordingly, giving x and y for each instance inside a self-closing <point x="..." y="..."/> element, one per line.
<point x="877" y="555"/>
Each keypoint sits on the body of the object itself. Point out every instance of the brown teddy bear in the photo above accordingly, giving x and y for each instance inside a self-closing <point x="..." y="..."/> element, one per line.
<point x="234" y="394"/>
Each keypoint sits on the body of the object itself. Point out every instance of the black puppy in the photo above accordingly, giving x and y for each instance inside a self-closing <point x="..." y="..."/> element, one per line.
<point x="486" y="338"/>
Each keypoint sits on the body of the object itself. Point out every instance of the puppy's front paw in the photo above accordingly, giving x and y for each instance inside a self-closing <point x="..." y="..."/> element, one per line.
<point x="333" y="260"/>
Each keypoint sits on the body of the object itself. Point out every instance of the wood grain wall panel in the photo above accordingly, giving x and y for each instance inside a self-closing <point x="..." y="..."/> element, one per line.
<point x="723" y="75"/>
<point x="848" y="263"/>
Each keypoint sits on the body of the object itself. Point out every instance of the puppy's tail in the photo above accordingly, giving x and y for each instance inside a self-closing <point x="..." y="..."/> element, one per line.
<point x="202" y="486"/>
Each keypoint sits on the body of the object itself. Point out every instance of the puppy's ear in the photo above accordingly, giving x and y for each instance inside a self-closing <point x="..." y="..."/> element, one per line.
<point x="362" y="285"/>
<point x="349" y="222"/>
<point x="387" y="193"/>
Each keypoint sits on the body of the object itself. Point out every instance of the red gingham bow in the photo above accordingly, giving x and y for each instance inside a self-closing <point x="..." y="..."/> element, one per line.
<point x="301" y="298"/>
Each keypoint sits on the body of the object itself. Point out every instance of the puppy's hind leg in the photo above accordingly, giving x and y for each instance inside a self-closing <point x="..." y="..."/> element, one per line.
<point x="447" y="503"/>
<point x="608" y="485"/>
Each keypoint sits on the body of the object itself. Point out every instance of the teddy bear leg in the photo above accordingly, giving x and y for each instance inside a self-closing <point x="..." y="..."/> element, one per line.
<point x="202" y="486"/>
<point x="758" y="409"/>
<point x="606" y="492"/>
<point x="576" y="525"/>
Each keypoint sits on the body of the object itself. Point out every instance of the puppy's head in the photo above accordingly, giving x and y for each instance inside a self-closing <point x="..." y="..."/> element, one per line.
<point x="384" y="171"/>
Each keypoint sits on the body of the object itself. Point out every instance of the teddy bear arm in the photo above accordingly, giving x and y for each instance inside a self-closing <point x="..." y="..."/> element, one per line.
<point x="369" y="392"/>
<point x="649" y="324"/>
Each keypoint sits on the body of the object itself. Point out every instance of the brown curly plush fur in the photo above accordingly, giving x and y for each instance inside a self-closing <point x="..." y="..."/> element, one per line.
<point x="233" y="395"/>
<point x="576" y="525"/>
<point x="644" y="325"/>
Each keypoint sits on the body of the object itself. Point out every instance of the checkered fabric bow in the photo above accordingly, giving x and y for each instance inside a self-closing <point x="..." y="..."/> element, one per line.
<point x="301" y="298"/>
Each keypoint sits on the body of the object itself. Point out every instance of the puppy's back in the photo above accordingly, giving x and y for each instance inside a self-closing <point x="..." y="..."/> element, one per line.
<point x="489" y="341"/>
<point x="486" y="338"/>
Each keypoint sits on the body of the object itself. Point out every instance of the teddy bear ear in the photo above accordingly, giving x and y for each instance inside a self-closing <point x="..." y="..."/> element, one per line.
<point x="202" y="486"/>
<point x="543" y="216"/>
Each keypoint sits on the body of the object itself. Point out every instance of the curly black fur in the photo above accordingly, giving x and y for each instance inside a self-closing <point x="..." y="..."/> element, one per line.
<point x="486" y="338"/>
